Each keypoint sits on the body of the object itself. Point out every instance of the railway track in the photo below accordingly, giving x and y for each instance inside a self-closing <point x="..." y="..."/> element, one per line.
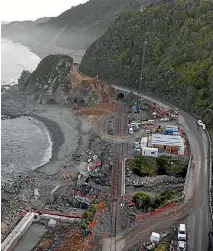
<point x="116" y="179"/>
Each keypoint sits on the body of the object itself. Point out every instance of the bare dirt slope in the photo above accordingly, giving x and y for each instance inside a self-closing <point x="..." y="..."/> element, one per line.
<point x="104" y="91"/>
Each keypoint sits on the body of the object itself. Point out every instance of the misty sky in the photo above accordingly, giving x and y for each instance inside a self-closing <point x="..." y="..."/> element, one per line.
<point x="12" y="10"/>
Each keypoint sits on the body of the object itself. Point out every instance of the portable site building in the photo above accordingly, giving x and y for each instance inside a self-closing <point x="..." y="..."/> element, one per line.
<point x="151" y="152"/>
<point x="169" y="143"/>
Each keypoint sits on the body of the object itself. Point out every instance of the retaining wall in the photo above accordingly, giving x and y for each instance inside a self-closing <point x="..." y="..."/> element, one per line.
<point x="10" y="242"/>
<point x="187" y="176"/>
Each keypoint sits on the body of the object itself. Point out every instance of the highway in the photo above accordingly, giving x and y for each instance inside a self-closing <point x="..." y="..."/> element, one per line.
<point x="198" y="221"/>
<point x="198" y="213"/>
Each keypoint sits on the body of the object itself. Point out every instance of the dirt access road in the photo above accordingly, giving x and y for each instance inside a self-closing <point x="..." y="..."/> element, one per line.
<point x="196" y="205"/>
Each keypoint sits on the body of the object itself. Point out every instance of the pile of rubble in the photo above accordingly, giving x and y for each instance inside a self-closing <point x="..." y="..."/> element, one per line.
<point x="155" y="183"/>
<point x="106" y="154"/>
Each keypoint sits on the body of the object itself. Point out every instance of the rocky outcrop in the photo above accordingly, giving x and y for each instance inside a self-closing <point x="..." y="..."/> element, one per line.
<point x="54" y="81"/>
<point x="24" y="77"/>
<point x="50" y="82"/>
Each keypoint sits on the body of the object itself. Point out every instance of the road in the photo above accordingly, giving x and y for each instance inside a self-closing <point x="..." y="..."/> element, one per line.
<point x="198" y="220"/>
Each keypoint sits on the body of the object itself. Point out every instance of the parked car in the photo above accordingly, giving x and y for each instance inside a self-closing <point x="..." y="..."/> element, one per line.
<point x="135" y="122"/>
<point x="176" y="111"/>
<point x="135" y="127"/>
<point x="199" y="122"/>
<point x="77" y="157"/>
<point x="182" y="232"/>
<point x="164" y="119"/>
<point x="181" y="246"/>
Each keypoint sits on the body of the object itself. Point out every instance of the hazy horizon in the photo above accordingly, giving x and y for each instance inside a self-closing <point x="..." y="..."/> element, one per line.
<point x="24" y="10"/>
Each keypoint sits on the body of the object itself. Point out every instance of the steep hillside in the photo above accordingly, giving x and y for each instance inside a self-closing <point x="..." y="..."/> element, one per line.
<point x="77" y="27"/>
<point x="178" y="61"/>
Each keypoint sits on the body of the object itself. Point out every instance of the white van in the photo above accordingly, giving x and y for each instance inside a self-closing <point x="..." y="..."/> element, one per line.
<point x="182" y="232"/>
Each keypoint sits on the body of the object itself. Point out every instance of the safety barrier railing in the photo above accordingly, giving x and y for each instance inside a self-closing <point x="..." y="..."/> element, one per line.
<point x="90" y="237"/>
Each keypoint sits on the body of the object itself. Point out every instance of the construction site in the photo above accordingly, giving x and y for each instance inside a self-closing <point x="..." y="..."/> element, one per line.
<point x="91" y="203"/>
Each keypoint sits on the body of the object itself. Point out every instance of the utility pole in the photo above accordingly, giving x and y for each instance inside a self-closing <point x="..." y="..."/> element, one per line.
<point x="142" y="66"/>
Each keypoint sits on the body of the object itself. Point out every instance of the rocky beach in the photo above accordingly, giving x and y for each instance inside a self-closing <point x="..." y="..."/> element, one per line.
<point x="66" y="132"/>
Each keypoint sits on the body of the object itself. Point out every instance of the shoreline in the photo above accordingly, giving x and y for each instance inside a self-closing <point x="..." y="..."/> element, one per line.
<point x="53" y="129"/>
<point x="42" y="50"/>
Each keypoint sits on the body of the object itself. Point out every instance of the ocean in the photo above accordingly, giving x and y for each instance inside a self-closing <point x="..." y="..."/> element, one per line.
<point x="25" y="141"/>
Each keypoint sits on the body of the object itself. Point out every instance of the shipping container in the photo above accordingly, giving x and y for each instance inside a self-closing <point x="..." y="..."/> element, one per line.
<point x="170" y="131"/>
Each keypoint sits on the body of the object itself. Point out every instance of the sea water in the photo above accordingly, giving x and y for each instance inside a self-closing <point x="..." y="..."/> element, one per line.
<point x="25" y="141"/>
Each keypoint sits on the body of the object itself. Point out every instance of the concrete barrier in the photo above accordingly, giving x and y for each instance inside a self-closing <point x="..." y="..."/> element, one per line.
<point x="58" y="214"/>
<point x="10" y="242"/>
<point x="210" y="175"/>
<point x="187" y="174"/>
<point x="59" y="218"/>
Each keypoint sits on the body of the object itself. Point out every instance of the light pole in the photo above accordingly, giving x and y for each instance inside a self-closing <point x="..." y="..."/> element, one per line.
<point x="142" y="66"/>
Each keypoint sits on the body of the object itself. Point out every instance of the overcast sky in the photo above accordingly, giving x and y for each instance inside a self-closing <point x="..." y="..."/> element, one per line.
<point x="12" y="10"/>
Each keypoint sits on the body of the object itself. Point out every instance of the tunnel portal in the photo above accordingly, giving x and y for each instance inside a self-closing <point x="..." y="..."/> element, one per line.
<point x="120" y="95"/>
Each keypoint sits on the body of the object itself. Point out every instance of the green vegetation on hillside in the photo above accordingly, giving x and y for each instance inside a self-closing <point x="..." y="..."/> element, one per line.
<point x="178" y="63"/>
<point x="146" y="202"/>
<point x="162" y="165"/>
<point x="94" y="15"/>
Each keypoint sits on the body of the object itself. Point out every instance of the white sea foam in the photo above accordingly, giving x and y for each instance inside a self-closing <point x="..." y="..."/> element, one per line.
<point x="14" y="59"/>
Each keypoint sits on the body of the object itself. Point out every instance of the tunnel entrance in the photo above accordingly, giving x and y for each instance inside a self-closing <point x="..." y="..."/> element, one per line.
<point x="120" y="95"/>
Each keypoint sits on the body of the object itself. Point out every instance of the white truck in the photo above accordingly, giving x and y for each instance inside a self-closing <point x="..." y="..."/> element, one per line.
<point x="182" y="232"/>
